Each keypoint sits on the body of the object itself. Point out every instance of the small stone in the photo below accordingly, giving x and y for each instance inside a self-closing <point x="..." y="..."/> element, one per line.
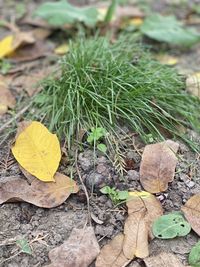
<point x="190" y="184"/>
<point x="133" y="175"/>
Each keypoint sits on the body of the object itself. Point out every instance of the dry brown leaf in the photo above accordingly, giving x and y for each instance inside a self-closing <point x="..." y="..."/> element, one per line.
<point x="158" y="166"/>
<point x="33" y="51"/>
<point x="193" y="84"/>
<point x="191" y="211"/>
<point x="144" y="201"/>
<point x="163" y="260"/>
<point x="41" y="194"/>
<point x="30" y="82"/>
<point x="7" y="100"/>
<point x="136" y="236"/>
<point x="111" y="255"/>
<point x="79" y="250"/>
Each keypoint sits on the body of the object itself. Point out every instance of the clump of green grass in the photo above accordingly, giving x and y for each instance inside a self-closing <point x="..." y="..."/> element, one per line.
<point x="106" y="85"/>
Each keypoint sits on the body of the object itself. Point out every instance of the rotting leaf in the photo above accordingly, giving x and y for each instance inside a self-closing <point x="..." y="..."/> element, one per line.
<point x="12" y="42"/>
<point x="61" y="12"/>
<point x="111" y="255"/>
<point x="45" y="195"/>
<point x="79" y="250"/>
<point x="163" y="260"/>
<point x="193" y="84"/>
<point x="38" y="151"/>
<point x="171" y="225"/>
<point x="6" y="98"/>
<point x="194" y="256"/>
<point x="191" y="210"/>
<point x="158" y="166"/>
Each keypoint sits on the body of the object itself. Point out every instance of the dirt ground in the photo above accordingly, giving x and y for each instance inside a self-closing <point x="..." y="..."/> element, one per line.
<point x="48" y="228"/>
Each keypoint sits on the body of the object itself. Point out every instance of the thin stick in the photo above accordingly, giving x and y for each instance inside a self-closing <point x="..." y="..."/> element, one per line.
<point x="14" y="118"/>
<point x="84" y="187"/>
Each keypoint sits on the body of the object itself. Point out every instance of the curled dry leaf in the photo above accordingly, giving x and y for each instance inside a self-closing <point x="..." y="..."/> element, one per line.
<point x="79" y="250"/>
<point x="158" y="166"/>
<point x="143" y="209"/>
<point x="191" y="210"/>
<point x="38" y="151"/>
<point x="45" y="195"/>
<point x="193" y="84"/>
<point x="163" y="260"/>
<point x="111" y="255"/>
<point x="7" y="100"/>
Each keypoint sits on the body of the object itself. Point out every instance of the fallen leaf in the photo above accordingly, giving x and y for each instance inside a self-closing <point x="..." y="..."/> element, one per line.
<point x="32" y="52"/>
<point x="31" y="82"/>
<point x="191" y="210"/>
<point x="136" y="236"/>
<point x="167" y="59"/>
<point x="62" y="49"/>
<point x="79" y="250"/>
<point x="38" y="151"/>
<point x="163" y="260"/>
<point x="171" y="225"/>
<point x="158" y="166"/>
<point x="12" y="42"/>
<point x="193" y="84"/>
<point x="143" y="208"/>
<point x="45" y="195"/>
<point x="194" y="256"/>
<point x="145" y="201"/>
<point x="7" y="100"/>
<point x="62" y="12"/>
<point x="111" y="255"/>
<point x="168" y="29"/>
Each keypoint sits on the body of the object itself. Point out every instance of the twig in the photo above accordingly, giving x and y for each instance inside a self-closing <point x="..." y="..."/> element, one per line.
<point x="84" y="187"/>
<point x="15" y="117"/>
<point x="13" y="256"/>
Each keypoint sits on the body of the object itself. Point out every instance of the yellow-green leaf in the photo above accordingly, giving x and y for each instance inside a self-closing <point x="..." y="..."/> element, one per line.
<point x="38" y="151"/>
<point x="62" y="49"/>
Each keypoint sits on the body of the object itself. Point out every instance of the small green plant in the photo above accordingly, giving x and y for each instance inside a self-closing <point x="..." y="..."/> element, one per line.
<point x="5" y="66"/>
<point x="95" y="135"/>
<point x="115" y="195"/>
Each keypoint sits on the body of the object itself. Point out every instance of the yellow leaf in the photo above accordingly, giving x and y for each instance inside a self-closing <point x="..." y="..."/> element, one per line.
<point x="167" y="59"/>
<point x="6" y="46"/>
<point x="38" y="151"/>
<point x="136" y="21"/>
<point x="11" y="42"/>
<point x="62" y="49"/>
<point x="141" y="194"/>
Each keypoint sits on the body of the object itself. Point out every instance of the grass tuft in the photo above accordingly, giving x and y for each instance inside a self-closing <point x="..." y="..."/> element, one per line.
<point x="105" y="85"/>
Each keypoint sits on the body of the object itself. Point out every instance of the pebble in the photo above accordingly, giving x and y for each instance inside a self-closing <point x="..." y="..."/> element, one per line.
<point x="190" y="184"/>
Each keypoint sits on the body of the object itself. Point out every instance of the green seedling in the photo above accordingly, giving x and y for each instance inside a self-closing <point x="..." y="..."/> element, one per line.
<point x="24" y="246"/>
<point x="115" y="195"/>
<point x="94" y="137"/>
<point x="5" y="66"/>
